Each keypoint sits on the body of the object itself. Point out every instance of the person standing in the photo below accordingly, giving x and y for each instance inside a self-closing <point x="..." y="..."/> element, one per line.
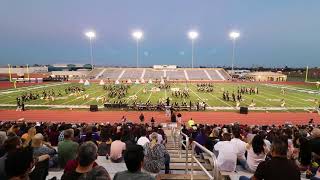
<point x="141" y="117"/>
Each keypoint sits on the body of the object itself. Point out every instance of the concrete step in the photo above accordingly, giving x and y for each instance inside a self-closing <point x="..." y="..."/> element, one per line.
<point x="180" y="176"/>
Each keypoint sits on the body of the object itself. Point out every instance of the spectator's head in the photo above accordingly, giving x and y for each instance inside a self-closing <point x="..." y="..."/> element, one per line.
<point x="236" y="132"/>
<point x="279" y="147"/>
<point x="37" y="140"/>
<point x="32" y="131"/>
<point x="154" y="137"/>
<point x="133" y="157"/>
<point x="258" y="144"/>
<point x="315" y="133"/>
<point x="68" y="134"/>
<point x="226" y="137"/>
<point x="87" y="154"/>
<point x="19" y="164"/>
<point x="3" y="137"/>
<point x="12" y="144"/>
<point x="143" y="132"/>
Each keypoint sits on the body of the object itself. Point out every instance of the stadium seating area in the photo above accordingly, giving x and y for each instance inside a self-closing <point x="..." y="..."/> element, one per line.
<point x="223" y="151"/>
<point x="197" y="74"/>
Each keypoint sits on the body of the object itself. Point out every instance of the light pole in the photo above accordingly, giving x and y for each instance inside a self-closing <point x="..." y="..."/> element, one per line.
<point x="192" y="35"/>
<point x="137" y="35"/>
<point x="233" y="35"/>
<point x="91" y="35"/>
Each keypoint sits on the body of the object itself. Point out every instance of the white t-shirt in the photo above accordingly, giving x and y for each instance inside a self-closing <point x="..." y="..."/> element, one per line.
<point x="142" y="141"/>
<point x="227" y="158"/>
<point x="254" y="160"/>
<point x="241" y="147"/>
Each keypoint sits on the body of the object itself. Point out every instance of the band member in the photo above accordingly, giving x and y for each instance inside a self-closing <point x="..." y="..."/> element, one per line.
<point x="283" y="103"/>
<point x="282" y="91"/>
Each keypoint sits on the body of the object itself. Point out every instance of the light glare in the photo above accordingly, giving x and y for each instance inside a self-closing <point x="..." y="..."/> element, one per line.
<point x="137" y="35"/>
<point x="193" y="34"/>
<point x="90" y="34"/>
<point x="234" y="34"/>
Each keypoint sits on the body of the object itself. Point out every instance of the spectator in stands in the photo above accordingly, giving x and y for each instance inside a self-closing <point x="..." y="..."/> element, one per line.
<point x="67" y="149"/>
<point x="27" y="137"/>
<point x="116" y="150"/>
<point x="156" y="156"/>
<point x="159" y="136"/>
<point x="133" y="157"/>
<point x="257" y="151"/>
<point x="279" y="167"/>
<point x="191" y="122"/>
<point x="3" y="138"/>
<point x="10" y="146"/>
<point x="41" y="148"/>
<point x="143" y="140"/>
<point x="105" y="143"/>
<point x="239" y="144"/>
<point x="53" y="135"/>
<point x="202" y="139"/>
<point x="227" y="157"/>
<point x="86" y="156"/>
<point x="315" y="143"/>
<point x="19" y="164"/>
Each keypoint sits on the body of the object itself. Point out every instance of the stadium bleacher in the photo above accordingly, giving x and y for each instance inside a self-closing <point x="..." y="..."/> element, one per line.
<point x="180" y="74"/>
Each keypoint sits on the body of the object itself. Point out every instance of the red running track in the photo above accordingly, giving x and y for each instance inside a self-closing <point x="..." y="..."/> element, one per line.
<point x="253" y="118"/>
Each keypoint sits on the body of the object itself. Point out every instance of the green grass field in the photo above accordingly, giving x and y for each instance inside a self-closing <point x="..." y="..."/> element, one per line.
<point x="296" y="96"/>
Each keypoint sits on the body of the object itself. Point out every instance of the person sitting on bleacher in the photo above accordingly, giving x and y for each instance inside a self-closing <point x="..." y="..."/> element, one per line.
<point x="279" y="167"/>
<point x="19" y="164"/>
<point x="116" y="149"/>
<point x="227" y="157"/>
<point x="156" y="156"/>
<point x="67" y="149"/>
<point x="257" y="151"/>
<point x="86" y="170"/>
<point x="239" y="144"/>
<point x="133" y="157"/>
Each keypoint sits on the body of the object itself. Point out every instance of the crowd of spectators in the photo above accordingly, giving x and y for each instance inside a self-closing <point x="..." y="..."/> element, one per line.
<point x="33" y="148"/>
<point x="269" y="152"/>
<point x="28" y="150"/>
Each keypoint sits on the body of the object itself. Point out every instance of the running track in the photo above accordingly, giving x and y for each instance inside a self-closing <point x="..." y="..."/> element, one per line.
<point x="253" y="118"/>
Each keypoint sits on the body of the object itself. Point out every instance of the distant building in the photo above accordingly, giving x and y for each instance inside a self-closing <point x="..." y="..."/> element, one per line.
<point x="164" y="66"/>
<point x="266" y="76"/>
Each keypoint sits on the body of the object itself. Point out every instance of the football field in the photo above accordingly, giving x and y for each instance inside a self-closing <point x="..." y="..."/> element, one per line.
<point x="280" y="97"/>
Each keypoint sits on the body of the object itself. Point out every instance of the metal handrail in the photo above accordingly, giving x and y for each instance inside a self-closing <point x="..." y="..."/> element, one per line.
<point x="186" y="146"/>
<point x="215" y="171"/>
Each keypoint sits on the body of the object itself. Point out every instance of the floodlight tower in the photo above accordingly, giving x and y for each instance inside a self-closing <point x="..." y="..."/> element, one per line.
<point x="233" y="35"/>
<point x="91" y="35"/>
<point x="137" y="35"/>
<point x="192" y="35"/>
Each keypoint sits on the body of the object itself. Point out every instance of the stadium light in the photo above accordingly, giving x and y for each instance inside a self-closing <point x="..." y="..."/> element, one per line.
<point x="233" y="35"/>
<point x="137" y="35"/>
<point x="91" y="35"/>
<point x="192" y="35"/>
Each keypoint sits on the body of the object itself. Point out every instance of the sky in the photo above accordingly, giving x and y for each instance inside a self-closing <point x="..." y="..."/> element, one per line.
<point x="273" y="32"/>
